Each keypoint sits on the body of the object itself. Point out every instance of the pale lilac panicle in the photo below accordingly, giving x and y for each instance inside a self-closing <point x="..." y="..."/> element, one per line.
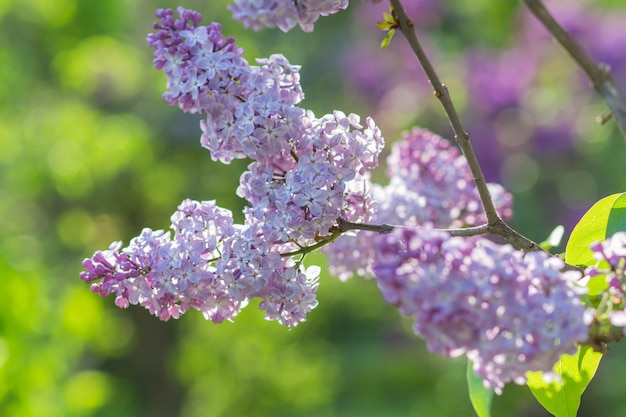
<point x="509" y="312"/>
<point x="250" y="109"/>
<point x="298" y="184"/>
<point x="210" y="264"/>
<point x="284" y="14"/>
<point x="610" y="258"/>
<point x="198" y="61"/>
<point x="430" y="183"/>
<point x="298" y="195"/>
<point x="169" y="275"/>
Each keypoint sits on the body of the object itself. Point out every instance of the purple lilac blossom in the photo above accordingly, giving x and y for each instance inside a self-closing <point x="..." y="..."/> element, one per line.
<point x="610" y="257"/>
<point x="168" y="275"/>
<point x="250" y="110"/>
<point x="507" y="311"/>
<point x="302" y="197"/>
<point x="210" y="264"/>
<point x="296" y="183"/>
<point x="430" y="182"/>
<point x="298" y="186"/>
<point x="284" y="14"/>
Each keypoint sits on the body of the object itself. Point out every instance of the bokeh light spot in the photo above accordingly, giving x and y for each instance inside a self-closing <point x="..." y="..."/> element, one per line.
<point x="75" y="228"/>
<point x="519" y="172"/>
<point x="577" y="189"/>
<point x="66" y="157"/>
<point x="87" y="390"/>
<point x="101" y="66"/>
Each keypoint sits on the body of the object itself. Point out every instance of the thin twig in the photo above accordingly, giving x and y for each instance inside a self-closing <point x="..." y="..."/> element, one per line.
<point x="495" y="224"/>
<point x="441" y="92"/>
<point x="599" y="74"/>
<point x="345" y="226"/>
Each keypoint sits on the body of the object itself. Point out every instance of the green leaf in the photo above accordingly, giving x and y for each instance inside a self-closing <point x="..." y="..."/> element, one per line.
<point x="554" y="239"/>
<point x="480" y="396"/>
<point x="385" y="42"/>
<point x="562" y="398"/>
<point x="617" y="217"/>
<point x="387" y="23"/>
<point x="600" y="222"/>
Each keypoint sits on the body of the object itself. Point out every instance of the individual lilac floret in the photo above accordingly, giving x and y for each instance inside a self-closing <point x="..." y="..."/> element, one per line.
<point x="611" y="262"/>
<point x="284" y="14"/>
<point x="430" y="182"/>
<point x="507" y="311"/>
<point x="210" y="264"/>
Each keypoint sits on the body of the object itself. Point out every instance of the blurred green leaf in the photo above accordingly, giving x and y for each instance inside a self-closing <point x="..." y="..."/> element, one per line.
<point x="554" y="239"/>
<point x="562" y="398"/>
<point x="480" y="396"/>
<point x="593" y="227"/>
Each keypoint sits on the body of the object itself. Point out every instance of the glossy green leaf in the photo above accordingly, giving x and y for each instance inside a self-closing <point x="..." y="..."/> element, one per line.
<point x="562" y="398"/>
<point x="593" y="227"/>
<point x="617" y="216"/>
<point x="480" y="396"/>
<point x="385" y="42"/>
<point x="554" y="239"/>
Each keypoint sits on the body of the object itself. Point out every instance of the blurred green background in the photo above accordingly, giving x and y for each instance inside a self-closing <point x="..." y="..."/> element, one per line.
<point x="89" y="154"/>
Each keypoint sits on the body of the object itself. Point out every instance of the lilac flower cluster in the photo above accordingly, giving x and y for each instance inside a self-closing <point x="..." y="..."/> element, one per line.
<point x="284" y="14"/>
<point x="430" y="182"/>
<point x="209" y="264"/>
<point x="250" y="110"/>
<point x="507" y="311"/>
<point x="611" y="263"/>
<point x="297" y="185"/>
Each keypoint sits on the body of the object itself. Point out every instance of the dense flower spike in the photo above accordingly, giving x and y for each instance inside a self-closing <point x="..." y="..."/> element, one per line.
<point x="509" y="312"/>
<point x="250" y="110"/>
<point x="169" y="275"/>
<point x="430" y="182"/>
<point x="611" y="263"/>
<point x="284" y="14"/>
<point x="301" y="194"/>
<point x="210" y="264"/>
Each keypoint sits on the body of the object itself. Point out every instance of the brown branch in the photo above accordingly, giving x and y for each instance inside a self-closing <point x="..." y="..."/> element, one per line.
<point x="495" y="224"/>
<point x="599" y="74"/>
<point x="441" y="92"/>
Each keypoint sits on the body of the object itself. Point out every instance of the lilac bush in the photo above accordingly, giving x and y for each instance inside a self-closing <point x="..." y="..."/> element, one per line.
<point x="308" y="186"/>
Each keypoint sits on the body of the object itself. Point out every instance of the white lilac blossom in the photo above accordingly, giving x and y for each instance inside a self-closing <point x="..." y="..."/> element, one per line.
<point x="610" y="257"/>
<point x="430" y="182"/>
<point x="284" y="14"/>
<point x="507" y="311"/>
